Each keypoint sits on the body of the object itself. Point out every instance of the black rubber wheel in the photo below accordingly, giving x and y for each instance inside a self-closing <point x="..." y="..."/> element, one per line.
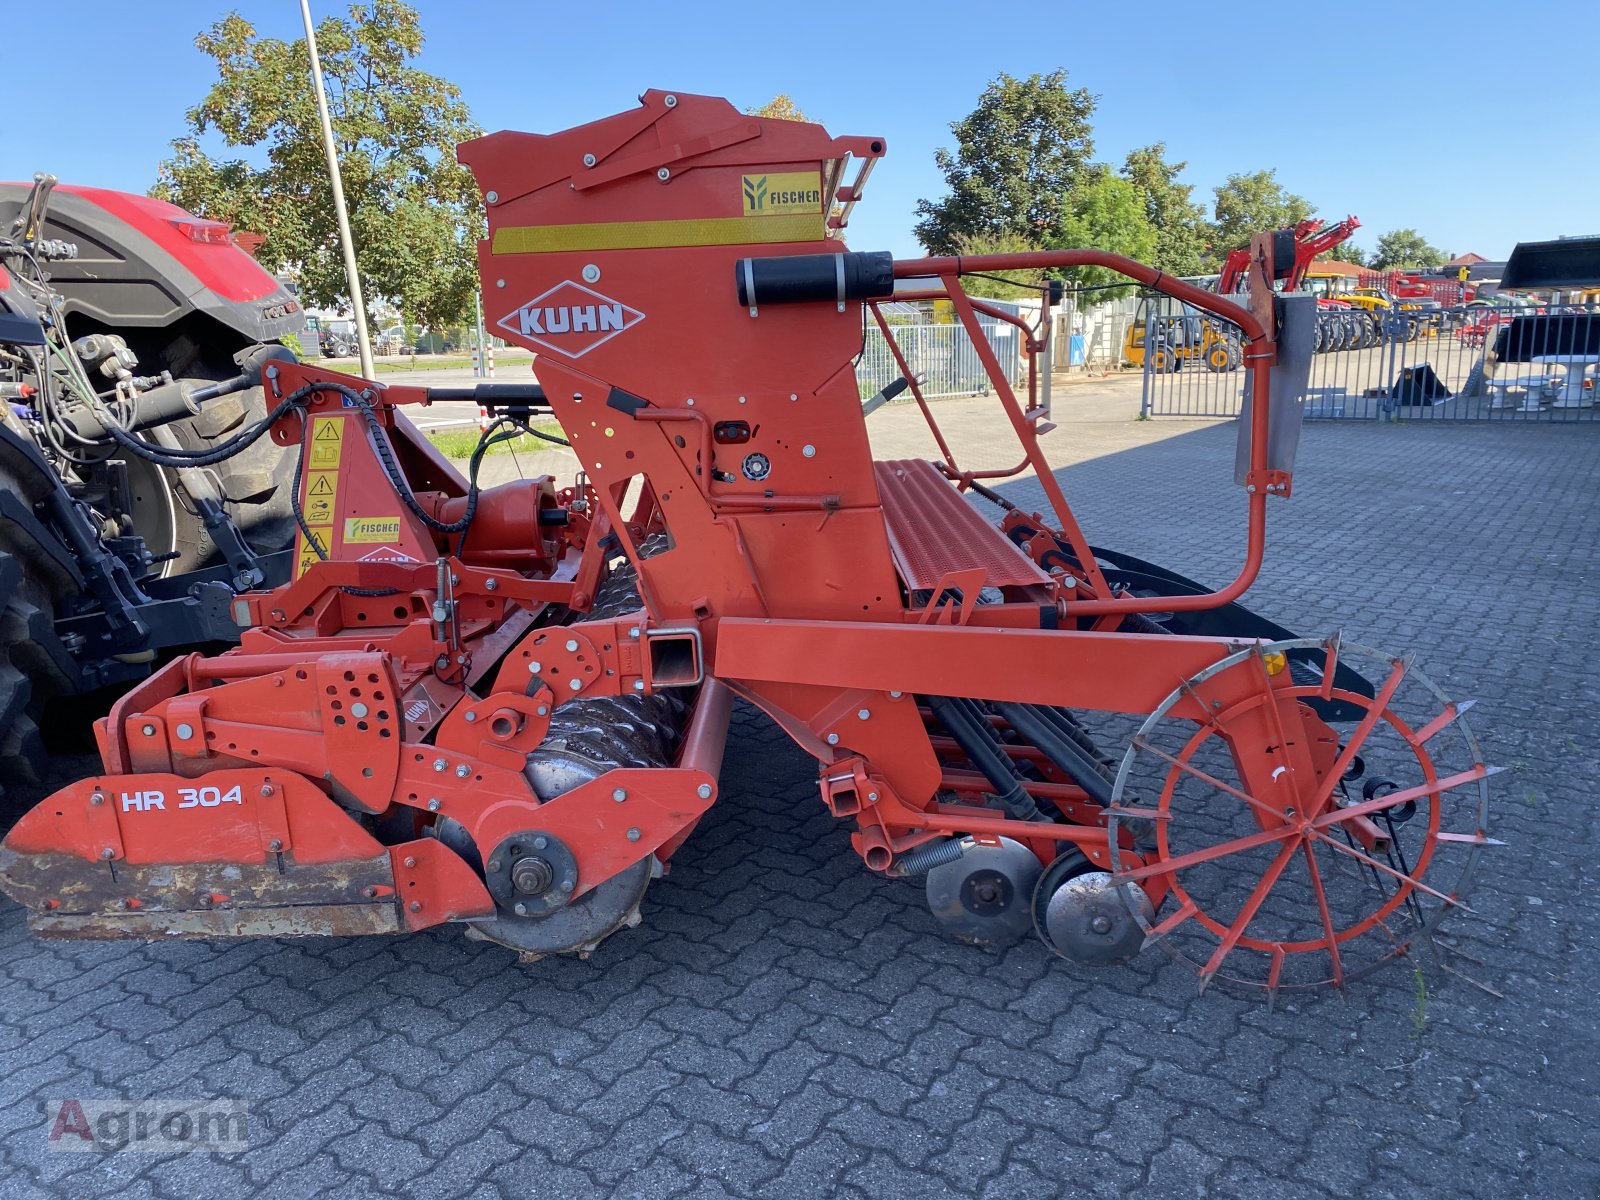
<point x="34" y="666"/>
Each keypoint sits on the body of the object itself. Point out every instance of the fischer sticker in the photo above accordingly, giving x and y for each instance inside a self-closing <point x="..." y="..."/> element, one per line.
<point x="570" y="319"/>
<point x="782" y="194"/>
<point x="372" y="529"/>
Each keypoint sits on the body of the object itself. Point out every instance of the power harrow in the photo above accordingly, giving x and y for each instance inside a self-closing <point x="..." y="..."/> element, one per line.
<point x="506" y="707"/>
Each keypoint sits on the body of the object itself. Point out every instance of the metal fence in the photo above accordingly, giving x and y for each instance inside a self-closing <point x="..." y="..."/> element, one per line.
<point x="941" y="356"/>
<point x="1475" y="362"/>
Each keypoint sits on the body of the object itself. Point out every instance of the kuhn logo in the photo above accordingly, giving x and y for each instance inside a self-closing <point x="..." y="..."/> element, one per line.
<point x="571" y="319"/>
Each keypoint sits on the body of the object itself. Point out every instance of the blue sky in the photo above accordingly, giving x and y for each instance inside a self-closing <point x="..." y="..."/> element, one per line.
<point x="1469" y="122"/>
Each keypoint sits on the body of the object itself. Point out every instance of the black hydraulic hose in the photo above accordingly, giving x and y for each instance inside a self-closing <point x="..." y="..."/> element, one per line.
<point x="976" y="739"/>
<point x="1079" y="766"/>
<point x="1068" y="725"/>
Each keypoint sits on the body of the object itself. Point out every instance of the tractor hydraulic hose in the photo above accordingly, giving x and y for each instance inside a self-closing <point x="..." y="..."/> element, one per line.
<point x="973" y="734"/>
<point x="1078" y="766"/>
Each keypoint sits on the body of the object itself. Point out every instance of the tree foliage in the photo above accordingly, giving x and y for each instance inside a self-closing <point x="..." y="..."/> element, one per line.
<point x="1018" y="156"/>
<point x="780" y="107"/>
<point x="1250" y="204"/>
<point x="1406" y="248"/>
<point x="415" y="213"/>
<point x="1180" y="225"/>
<point x="1000" y="285"/>
<point x="1106" y="213"/>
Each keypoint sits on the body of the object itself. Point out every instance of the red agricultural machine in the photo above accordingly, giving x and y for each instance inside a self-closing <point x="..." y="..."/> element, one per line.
<point x="507" y="707"/>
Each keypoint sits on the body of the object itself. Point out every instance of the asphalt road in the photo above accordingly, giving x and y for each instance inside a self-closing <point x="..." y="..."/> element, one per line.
<point x="785" y="1024"/>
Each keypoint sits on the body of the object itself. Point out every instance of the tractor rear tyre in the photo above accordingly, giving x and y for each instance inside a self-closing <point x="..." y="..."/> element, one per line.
<point x="255" y="486"/>
<point x="33" y="663"/>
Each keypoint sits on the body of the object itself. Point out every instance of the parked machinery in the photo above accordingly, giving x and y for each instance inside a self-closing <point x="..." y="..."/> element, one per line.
<point x="131" y="339"/>
<point x="507" y="707"/>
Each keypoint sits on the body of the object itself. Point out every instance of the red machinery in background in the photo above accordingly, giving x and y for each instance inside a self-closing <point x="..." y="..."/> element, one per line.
<point x="507" y="707"/>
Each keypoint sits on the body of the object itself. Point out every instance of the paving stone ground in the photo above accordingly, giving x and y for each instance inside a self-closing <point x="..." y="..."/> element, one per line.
<point x="785" y="1024"/>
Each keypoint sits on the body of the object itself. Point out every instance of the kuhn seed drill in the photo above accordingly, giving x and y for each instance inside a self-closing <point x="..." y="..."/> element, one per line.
<point x="507" y="707"/>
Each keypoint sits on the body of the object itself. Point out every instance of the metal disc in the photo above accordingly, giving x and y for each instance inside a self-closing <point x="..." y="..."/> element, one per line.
<point x="984" y="896"/>
<point x="578" y="926"/>
<point x="1088" y="922"/>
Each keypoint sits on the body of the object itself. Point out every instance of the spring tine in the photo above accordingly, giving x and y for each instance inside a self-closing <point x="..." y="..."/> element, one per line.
<point x="1388" y="870"/>
<point x="1247" y="913"/>
<point x="1330" y="664"/>
<point x="1273" y="972"/>
<point x="1439" y="723"/>
<point x="1439" y="961"/>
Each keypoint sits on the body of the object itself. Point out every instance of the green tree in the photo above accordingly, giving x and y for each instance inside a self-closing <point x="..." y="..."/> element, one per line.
<point x="1018" y="155"/>
<point x="1250" y="204"/>
<point x="415" y="213"/>
<point x="1000" y="285"/>
<point x="1405" y="248"/>
<point x="780" y="107"/>
<point x="1105" y="213"/>
<point x="1180" y="224"/>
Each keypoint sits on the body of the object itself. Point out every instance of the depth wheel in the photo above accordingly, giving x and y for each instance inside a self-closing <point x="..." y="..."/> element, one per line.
<point x="1329" y="878"/>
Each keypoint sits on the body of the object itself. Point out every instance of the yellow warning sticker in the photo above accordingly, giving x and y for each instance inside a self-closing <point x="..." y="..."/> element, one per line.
<point x="327" y="442"/>
<point x="372" y="529"/>
<point x="319" y="510"/>
<point x="306" y="554"/>
<point x="782" y="193"/>
<point x="321" y="501"/>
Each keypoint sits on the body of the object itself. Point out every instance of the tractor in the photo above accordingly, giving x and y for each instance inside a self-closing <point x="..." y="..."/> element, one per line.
<point x="131" y="339"/>
<point x="505" y="708"/>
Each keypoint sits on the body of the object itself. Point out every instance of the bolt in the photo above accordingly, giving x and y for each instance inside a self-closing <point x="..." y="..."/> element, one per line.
<point x="1101" y="924"/>
<point x="433" y="806"/>
<point x="794" y="396"/>
<point x="266" y="789"/>
<point x="535" y="667"/>
<point x="663" y="174"/>
<point x="369" y="891"/>
<point x="690" y="401"/>
<point x="808" y="450"/>
<point x="895" y="695"/>
<point x="863" y="714"/>
<point x="149" y="731"/>
<point x="205" y="901"/>
<point x="672" y="102"/>
<point x="703" y="791"/>
<point x="833" y="739"/>
<point x="499" y="283"/>
<point x="633" y="632"/>
<point x="638" y="685"/>
<point x="358" y="709"/>
<point x="742" y="400"/>
<point x="572" y="646"/>
<point x="275" y="845"/>
<point x="589" y="160"/>
<point x="494" y="864"/>
<point x="591" y="273"/>
<point x="873" y="797"/>
<point x="1250" y="488"/>
<point x="575" y="684"/>
<point x="540" y="843"/>
<point x="185" y="732"/>
<point x="469" y="718"/>
<point x="619" y="795"/>
<point x="532" y="875"/>
<point x="415" y="906"/>
<point x="490" y="585"/>
<point x="492" y="197"/>
<point x="410" y="861"/>
<point x="108" y="854"/>
<point x="439" y="764"/>
<point x="520" y="909"/>
<point x="97" y="798"/>
<point x="463" y="771"/>
<point x="543" y="710"/>
<point x="633" y="835"/>
<point x="568" y="884"/>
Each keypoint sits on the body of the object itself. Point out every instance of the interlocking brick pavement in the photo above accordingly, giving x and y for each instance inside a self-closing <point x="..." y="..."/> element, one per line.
<point x="785" y="1024"/>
